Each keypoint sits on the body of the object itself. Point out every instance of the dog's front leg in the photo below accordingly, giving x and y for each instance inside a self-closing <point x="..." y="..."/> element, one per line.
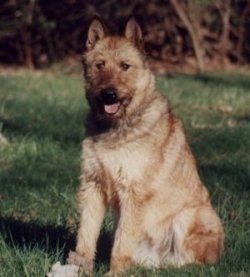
<point x="127" y="234"/>
<point x="92" y="211"/>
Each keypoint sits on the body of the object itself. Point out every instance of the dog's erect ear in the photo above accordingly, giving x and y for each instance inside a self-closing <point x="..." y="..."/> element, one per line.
<point x="95" y="32"/>
<point x="133" y="32"/>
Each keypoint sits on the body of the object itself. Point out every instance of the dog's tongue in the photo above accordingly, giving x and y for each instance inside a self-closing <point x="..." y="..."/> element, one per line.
<point x="112" y="109"/>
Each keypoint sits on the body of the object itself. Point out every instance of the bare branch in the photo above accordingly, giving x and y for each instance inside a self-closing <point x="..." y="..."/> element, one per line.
<point x="194" y="37"/>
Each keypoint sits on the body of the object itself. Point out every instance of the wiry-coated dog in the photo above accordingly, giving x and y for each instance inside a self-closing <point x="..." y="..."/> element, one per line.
<point x="136" y="158"/>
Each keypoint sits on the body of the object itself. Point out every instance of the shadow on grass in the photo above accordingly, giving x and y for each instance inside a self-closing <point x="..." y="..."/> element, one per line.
<point x="49" y="238"/>
<point x="222" y="156"/>
<point x="236" y="179"/>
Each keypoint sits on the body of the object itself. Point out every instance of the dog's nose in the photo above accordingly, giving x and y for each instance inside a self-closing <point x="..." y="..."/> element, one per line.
<point x="109" y="96"/>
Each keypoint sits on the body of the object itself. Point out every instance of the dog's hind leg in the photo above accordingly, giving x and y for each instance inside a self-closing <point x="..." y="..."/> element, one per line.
<point x="205" y="236"/>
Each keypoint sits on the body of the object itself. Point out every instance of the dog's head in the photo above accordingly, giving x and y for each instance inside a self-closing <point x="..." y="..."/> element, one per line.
<point x="116" y="72"/>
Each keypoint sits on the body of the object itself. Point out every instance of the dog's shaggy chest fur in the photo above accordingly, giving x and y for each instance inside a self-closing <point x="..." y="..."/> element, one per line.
<point x="137" y="160"/>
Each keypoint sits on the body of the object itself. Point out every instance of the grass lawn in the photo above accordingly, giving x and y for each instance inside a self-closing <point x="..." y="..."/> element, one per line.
<point x="42" y="116"/>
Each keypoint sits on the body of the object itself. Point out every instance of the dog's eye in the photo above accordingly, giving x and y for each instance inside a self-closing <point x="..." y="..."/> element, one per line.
<point x="125" y="66"/>
<point x="100" y="65"/>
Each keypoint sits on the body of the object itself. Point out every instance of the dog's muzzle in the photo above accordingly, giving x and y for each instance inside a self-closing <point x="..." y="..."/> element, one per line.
<point x="109" y="98"/>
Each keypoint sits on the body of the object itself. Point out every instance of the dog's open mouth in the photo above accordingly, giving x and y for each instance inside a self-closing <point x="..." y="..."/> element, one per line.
<point x="112" y="109"/>
<point x="112" y="102"/>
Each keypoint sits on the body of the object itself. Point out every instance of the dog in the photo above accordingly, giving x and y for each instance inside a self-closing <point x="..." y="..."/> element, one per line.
<point x="136" y="159"/>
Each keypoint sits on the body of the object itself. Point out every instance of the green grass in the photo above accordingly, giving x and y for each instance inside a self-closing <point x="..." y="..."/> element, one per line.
<point x="42" y="116"/>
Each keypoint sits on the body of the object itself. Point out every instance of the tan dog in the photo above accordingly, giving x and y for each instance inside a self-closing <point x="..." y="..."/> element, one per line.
<point x="136" y="159"/>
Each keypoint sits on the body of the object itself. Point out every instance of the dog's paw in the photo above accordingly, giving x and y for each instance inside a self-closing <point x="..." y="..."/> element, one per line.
<point x="74" y="258"/>
<point x="80" y="261"/>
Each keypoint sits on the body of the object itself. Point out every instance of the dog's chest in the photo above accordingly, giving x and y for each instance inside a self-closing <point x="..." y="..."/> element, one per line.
<point x="126" y="164"/>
